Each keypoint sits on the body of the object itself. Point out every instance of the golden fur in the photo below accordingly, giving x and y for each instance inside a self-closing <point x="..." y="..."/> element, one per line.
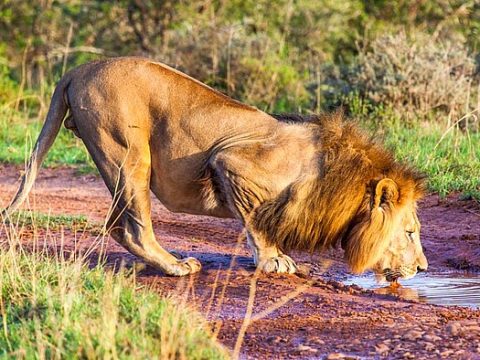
<point x="295" y="182"/>
<point x="339" y="203"/>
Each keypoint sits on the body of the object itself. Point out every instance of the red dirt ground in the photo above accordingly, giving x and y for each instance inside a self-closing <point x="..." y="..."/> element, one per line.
<point x="323" y="318"/>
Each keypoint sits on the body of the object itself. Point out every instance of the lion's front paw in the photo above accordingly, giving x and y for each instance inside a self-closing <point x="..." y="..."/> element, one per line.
<point x="184" y="267"/>
<point x="282" y="264"/>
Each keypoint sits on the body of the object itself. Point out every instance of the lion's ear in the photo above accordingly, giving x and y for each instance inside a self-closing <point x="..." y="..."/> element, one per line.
<point x="386" y="192"/>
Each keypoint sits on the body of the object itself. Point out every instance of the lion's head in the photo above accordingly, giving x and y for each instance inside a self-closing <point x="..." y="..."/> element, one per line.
<point x="358" y="196"/>
<point x="385" y="236"/>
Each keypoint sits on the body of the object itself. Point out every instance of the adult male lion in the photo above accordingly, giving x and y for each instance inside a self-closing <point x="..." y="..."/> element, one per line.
<point x="294" y="185"/>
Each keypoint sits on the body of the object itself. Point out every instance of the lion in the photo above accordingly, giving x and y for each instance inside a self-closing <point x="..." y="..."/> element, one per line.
<point x="294" y="182"/>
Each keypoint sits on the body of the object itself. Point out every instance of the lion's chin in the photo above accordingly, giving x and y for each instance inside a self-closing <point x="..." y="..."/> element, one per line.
<point x="409" y="276"/>
<point x="380" y="278"/>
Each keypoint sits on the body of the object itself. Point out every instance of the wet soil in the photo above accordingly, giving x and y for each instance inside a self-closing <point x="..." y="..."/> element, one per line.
<point x="292" y="317"/>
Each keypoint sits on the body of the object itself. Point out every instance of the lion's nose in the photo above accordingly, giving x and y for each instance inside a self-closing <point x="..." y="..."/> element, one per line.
<point x="420" y="269"/>
<point x="422" y="263"/>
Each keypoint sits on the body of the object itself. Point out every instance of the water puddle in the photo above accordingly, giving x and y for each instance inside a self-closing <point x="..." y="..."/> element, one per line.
<point x="434" y="288"/>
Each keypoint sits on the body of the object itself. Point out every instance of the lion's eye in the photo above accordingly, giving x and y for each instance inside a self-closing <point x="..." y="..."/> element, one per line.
<point x="410" y="234"/>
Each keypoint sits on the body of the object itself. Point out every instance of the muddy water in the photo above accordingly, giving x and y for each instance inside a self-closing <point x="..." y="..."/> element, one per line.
<point x="461" y="289"/>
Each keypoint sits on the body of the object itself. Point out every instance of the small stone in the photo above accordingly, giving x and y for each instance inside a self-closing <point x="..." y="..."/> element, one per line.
<point x="429" y="346"/>
<point x="382" y="349"/>
<point x="474" y="329"/>
<point x="302" y="348"/>
<point x="334" y="356"/>
<point x="446" y="354"/>
<point x="413" y="335"/>
<point x="454" y="328"/>
<point x="455" y="345"/>
<point x="469" y="323"/>
<point x="398" y="348"/>
<point x="431" y="338"/>
<point x="274" y="339"/>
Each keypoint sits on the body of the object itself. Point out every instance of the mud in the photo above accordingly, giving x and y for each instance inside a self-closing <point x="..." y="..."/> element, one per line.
<point x="291" y="317"/>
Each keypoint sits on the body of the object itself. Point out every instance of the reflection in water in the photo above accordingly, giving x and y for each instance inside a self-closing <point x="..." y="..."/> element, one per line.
<point x="442" y="289"/>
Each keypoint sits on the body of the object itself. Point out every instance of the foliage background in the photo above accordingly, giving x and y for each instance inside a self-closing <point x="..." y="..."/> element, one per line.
<point x="272" y="54"/>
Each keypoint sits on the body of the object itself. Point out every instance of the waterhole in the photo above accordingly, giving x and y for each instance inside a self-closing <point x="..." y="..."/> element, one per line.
<point x="461" y="289"/>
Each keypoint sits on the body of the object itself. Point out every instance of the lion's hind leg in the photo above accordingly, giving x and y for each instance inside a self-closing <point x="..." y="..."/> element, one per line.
<point x="268" y="258"/>
<point x="126" y="172"/>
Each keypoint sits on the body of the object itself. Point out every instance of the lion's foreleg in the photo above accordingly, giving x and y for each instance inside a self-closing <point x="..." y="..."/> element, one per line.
<point x="237" y="175"/>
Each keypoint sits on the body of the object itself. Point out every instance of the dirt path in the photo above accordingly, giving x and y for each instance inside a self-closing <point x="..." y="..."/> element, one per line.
<point x="324" y="319"/>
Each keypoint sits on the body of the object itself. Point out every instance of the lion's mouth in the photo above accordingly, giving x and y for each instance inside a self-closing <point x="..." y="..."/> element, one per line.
<point x="391" y="275"/>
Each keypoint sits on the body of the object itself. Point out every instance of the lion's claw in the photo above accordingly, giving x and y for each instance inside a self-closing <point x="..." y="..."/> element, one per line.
<point x="282" y="264"/>
<point x="185" y="266"/>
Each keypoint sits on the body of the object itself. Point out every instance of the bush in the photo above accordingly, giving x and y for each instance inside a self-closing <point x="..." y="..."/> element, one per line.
<point x="250" y="67"/>
<point x="8" y="87"/>
<point x="415" y="77"/>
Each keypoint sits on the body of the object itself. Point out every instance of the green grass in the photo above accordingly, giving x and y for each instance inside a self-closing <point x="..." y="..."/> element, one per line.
<point x="33" y="219"/>
<point x="51" y="307"/>
<point x="451" y="163"/>
<point x="18" y="134"/>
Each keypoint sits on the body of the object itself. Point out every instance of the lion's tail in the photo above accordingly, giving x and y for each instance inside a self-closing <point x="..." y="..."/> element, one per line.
<point x="53" y="123"/>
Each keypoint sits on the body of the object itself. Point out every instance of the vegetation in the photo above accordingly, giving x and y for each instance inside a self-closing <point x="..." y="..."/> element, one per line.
<point x="407" y="70"/>
<point x="33" y="219"/>
<point x="18" y="132"/>
<point x="53" y="307"/>
<point x="416" y="77"/>
<point x="269" y="54"/>
<point x="451" y="161"/>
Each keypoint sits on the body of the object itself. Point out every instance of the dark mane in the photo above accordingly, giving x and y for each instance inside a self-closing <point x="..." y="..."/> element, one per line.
<point x="295" y="118"/>
<point x="322" y="210"/>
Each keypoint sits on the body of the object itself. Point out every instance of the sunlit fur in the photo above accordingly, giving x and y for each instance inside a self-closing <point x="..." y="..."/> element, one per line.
<point x="149" y="127"/>
<point x="342" y="201"/>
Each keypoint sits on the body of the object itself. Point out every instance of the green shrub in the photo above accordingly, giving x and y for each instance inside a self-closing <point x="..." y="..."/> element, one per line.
<point x="416" y="77"/>
<point x="8" y="87"/>
<point x="249" y="67"/>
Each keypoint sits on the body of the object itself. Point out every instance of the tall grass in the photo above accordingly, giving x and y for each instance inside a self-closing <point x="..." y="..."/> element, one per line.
<point x="57" y="307"/>
<point x="447" y="152"/>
